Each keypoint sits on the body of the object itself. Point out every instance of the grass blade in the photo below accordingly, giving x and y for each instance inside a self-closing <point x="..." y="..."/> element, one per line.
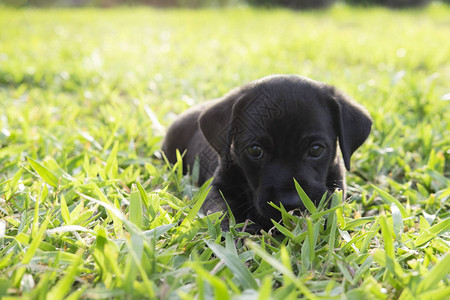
<point x="136" y="213"/>
<point x="397" y="221"/>
<point x="112" y="166"/>
<point x="64" y="210"/>
<point x="31" y="251"/>
<point x="387" y="237"/>
<point x="233" y="262"/>
<point x="432" y="232"/>
<point x="435" y="275"/>
<point x="62" y="288"/>
<point x="198" y="200"/>
<point x="388" y="199"/>
<point x="311" y="241"/>
<point x="304" y="198"/>
<point x="282" y="269"/>
<point x="43" y="172"/>
<point x="220" y="288"/>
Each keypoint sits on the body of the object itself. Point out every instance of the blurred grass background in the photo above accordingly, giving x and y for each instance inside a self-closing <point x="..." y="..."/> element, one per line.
<point x="296" y="4"/>
<point x="87" y="211"/>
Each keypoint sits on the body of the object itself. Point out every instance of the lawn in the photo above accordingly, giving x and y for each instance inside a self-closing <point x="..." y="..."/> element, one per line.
<point x="88" y="210"/>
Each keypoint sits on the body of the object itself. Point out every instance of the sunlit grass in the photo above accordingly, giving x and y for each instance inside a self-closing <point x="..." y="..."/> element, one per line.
<point x="88" y="211"/>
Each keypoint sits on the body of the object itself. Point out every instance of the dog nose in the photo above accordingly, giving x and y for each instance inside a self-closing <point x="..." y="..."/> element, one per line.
<point x="291" y="202"/>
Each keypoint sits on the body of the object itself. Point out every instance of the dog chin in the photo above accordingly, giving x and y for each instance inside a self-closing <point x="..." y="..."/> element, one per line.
<point x="266" y="212"/>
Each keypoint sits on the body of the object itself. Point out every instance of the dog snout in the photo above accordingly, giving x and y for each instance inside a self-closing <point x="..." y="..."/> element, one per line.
<point x="291" y="201"/>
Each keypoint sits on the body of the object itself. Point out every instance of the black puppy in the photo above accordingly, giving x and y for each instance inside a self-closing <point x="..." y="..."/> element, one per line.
<point x="258" y="138"/>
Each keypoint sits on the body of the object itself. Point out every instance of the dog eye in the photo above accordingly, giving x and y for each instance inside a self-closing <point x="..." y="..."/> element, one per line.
<point x="255" y="152"/>
<point x="316" y="150"/>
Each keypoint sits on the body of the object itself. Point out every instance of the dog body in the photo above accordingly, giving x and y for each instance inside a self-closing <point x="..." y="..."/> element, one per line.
<point x="258" y="138"/>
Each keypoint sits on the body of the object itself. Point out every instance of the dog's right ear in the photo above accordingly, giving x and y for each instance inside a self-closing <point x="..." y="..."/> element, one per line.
<point x="215" y="123"/>
<point x="354" y="125"/>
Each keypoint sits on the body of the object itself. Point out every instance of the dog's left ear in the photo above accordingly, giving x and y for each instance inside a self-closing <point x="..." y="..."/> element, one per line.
<point x="215" y="122"/>
<point x="354" y="124"/>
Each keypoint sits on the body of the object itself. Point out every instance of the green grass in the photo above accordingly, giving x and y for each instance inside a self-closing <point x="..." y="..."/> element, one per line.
<point x="87" y="211"/>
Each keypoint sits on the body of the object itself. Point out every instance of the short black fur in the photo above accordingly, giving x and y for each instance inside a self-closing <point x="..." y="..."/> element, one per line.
<point x="258" y="138"/>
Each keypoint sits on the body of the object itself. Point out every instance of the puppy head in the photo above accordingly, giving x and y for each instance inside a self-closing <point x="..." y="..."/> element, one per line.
<point x="285" y="127"/>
